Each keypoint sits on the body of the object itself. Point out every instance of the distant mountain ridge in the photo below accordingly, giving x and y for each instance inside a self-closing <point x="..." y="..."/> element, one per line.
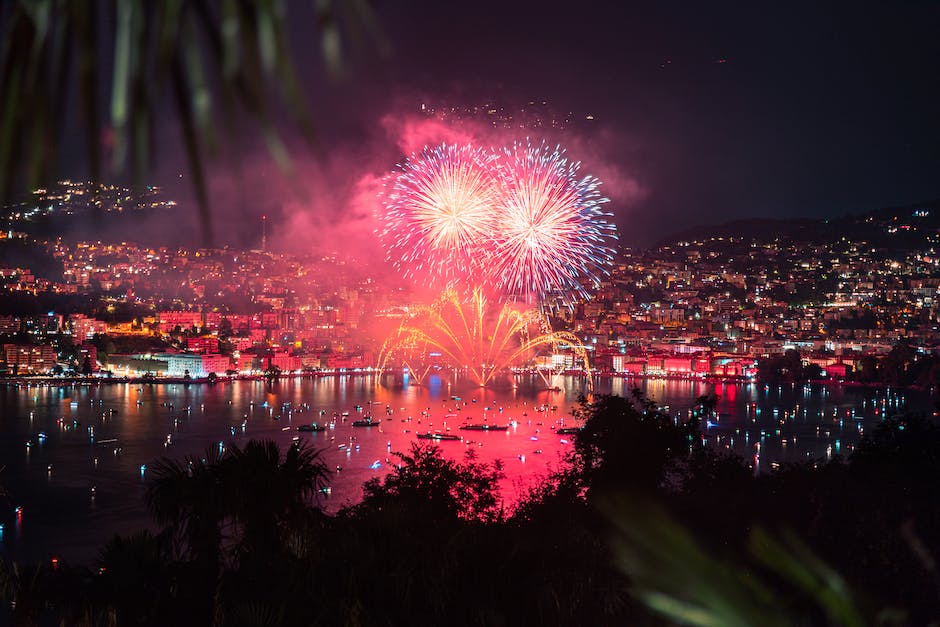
<point x="903" y="226"/>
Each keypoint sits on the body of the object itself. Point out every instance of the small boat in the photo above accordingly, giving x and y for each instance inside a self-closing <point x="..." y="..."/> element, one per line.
<point x="438" y="436"/>
<point x="368" y="422"/>
<point x="484" y="427"/>
<point x="313" y="427"/>
<point x="568" y="430"/>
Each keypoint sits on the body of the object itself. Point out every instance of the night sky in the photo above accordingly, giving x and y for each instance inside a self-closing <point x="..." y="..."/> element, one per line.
<point x="714" y="111"/>
<point x="814" y="111"/>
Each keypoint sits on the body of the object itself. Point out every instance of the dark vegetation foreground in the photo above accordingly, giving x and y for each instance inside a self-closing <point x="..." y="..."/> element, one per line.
<point x="648" y="525"/>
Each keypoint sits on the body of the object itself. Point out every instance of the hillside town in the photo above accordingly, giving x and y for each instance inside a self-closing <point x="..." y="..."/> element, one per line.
<point x="713" y="304"/>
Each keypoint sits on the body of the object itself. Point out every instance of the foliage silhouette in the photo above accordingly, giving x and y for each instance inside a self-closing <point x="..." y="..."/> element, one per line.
<point x="213" y="63"/>
<point x="648" y="524"/>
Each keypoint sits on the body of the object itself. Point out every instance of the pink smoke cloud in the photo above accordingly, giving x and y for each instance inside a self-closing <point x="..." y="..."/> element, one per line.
<point x="332" y="205"/>
<point x="412" y="133"/>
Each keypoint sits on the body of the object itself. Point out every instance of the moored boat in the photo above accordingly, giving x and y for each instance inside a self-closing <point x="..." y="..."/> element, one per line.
<point x="367" y="422"/>
<point x="438" y="436"/>
<point x="478" y="427"/>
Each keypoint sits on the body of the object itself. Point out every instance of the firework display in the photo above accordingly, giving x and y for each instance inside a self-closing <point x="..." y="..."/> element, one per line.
<point x="553" y="233"/>
<point x="439" y="212"/>
<point x="521" y="221"/>
<point x="471" y="334"/>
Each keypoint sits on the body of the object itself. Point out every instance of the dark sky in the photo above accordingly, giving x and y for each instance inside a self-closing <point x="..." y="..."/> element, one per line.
<point x="818" y="108"/>
<point x="717" y="110"/>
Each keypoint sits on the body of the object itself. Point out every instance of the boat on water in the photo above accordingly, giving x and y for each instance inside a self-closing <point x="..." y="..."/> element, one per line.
<point x="313" y="427"/>
<point x="438" y="436"/>
<point x="367" y="422"/>
<point x="478" y="427"/>
<point x="568" y="430"/>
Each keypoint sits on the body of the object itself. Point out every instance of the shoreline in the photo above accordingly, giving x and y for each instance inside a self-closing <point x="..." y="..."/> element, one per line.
<point x="53" y="381"/>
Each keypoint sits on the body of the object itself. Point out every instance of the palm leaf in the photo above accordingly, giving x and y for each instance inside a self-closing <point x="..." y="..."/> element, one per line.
<point x="674" y="576"/>
<point x="204" y="57"/>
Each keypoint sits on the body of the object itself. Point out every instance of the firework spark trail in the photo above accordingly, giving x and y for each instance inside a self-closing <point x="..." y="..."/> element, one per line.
<point x="522" y="222"/>
<point x="439" y="211"/>
<point x="553" y="231"/>
<point x="471" y="335"/>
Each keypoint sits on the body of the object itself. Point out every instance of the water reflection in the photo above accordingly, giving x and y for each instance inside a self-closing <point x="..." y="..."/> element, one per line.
<point x="76" y="457"/>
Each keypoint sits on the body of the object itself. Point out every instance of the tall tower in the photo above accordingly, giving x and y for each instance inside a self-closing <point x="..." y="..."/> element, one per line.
<point x="264" y="233"/>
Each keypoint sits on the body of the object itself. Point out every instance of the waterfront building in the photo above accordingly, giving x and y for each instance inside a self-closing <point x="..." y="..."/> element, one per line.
<point x="188" y="364"/>
<point x="29" y="358"/>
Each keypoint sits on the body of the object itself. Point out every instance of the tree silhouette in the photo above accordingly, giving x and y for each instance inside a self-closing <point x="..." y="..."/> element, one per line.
<point x="269" y="493"/>
<point x="136" y="578"/>
<point x="236" y="500"/>
<point x="233" y="509"/>
<point x="27" y="588"/>
<point x="642" y="509"/>
<point x="621" y="446"/>
<point x="186" y="497"/>
<point x="426" y="484"/>
<point x="272" y="372"/>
